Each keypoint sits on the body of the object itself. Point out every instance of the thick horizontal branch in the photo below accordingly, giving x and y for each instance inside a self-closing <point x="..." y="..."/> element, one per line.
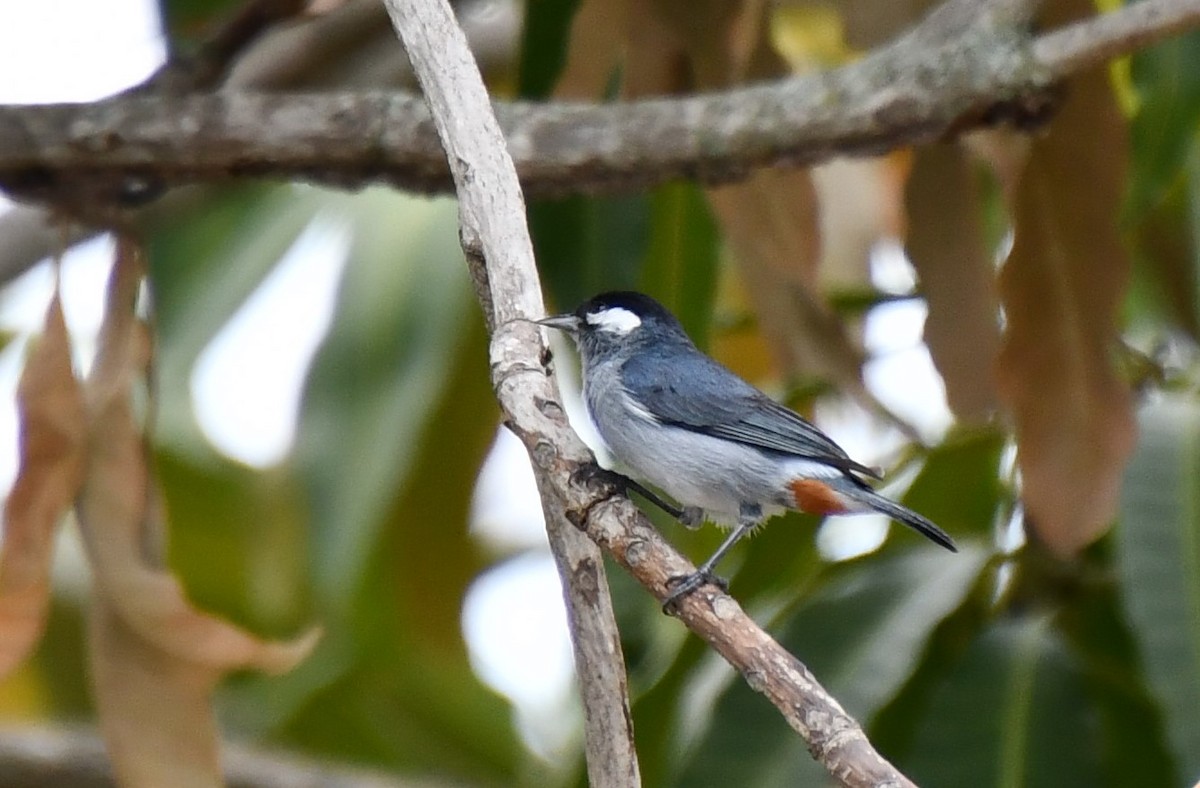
<point x="909" y="92"/>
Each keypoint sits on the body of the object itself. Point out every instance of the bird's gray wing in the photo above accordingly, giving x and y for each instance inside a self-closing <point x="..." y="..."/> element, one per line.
<point x="692" y="391"/>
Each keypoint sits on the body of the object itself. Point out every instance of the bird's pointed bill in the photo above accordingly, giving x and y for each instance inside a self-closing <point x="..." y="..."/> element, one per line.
<point x="567" y="322"/>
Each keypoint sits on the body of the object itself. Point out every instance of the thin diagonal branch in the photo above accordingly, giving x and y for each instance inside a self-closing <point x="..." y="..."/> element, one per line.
<point x="498" y="247"/>
<point x="500" y="253"/>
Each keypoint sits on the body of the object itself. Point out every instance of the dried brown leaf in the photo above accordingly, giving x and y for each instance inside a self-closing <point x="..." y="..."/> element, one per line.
<point x="770" y="221"/>
<point x="655" y="59"/>
<point x="155" y="714"/>
<point x="945" y="242"/>
<point x="793" y="232"/>
<point x="862" y="203"/>
<point x="1061" y="289"/>
<point x="598" y="33"/>
<point x="155" y="658"/>
<point x="53" y="433"/>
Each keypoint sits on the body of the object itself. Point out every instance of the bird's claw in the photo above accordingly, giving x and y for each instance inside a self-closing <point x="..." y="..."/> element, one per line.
<point x="590" y="472"/>
<point x="682" y="585"/>
<point x="584" y="475"/>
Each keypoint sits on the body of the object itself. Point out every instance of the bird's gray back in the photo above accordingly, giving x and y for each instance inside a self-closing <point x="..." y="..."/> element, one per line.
<point x="683" y="387"/>
<point x="694" y="468"/>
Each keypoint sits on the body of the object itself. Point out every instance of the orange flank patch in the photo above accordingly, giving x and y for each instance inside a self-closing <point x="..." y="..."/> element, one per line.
<point x="816" y="497"/>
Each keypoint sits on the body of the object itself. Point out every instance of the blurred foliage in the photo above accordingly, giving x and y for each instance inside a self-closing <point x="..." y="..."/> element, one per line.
<point x="999" y="666"/>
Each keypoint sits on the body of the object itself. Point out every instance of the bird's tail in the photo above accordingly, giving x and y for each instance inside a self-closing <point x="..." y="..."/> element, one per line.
<point x="918" y="523"/>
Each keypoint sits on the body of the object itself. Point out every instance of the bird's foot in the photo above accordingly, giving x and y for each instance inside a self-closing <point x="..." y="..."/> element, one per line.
<point x="592" y="475"/>
<point x="586" y="474"/>
<point x="682" y="585"/>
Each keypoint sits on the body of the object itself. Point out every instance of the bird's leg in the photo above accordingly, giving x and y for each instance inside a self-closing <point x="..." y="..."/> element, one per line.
<point x="587" y="473"/>
<point x="749" y="516"/>
<point x="682" y="514"/>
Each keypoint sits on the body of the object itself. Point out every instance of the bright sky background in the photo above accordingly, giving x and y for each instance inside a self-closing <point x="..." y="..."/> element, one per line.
<point x="247" y="384"/>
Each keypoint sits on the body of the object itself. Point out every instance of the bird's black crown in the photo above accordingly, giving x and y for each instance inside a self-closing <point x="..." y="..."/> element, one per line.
<point x="639" y="304"/>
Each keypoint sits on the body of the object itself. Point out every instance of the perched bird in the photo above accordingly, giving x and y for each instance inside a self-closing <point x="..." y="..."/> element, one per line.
<point x="679" y="420"/>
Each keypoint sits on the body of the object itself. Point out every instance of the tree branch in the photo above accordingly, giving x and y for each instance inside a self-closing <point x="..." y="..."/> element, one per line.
<point x="912" y="91"/>
<point x="497" y="245"/>
<point x="500" y="254"/>
<point x="1089" y="43"/>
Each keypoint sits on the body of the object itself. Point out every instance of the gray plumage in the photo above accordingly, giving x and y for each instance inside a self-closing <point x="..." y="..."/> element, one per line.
<point x="688" y="425"/>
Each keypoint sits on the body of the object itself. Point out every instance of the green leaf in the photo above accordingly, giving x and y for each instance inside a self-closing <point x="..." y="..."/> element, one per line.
<point x="201" y="272"/>
<point x="1159" y="564"/>
<point x="1012" y="714"/>
<point x="662" y="716"/>
<point x="861" y="633"/>
<point x="681" y="261"/>
<point x="238" y="540"/>
<point x="586" y="245"/>
<point x="1167" y="79"/>
<point x="545" y="37"/>
<point x="1135" y="750"/>
<point x="414" y="718"/>
<point x="403" y="633"/>
<point x="397" y="417"/>
<point x="59" y="666"/>
<point x="893" y="729"/>
<point x="959" y="485"/>
<point x="1165" y="283"/>
<point x="402" y="312"/>
<point x="428" y="557"/>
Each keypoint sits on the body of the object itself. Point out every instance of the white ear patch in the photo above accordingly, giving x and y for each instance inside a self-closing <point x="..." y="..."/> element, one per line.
<point x="614" y="319"/>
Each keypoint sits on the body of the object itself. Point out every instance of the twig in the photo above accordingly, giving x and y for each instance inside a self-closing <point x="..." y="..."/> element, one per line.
<point x="1135" y="25"/>
<point x="906" y="93"/>
<point x="497" y="244"/>
<point x="500" y="253"/>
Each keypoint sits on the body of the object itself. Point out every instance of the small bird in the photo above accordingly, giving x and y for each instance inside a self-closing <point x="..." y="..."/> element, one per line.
<point x="682" y="422"/>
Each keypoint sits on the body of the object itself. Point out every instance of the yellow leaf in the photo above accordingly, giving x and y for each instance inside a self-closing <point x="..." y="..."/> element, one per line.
<point x="809" y="36"/>
<point x="770" y="221"/>
<point x="51" y="416"/>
